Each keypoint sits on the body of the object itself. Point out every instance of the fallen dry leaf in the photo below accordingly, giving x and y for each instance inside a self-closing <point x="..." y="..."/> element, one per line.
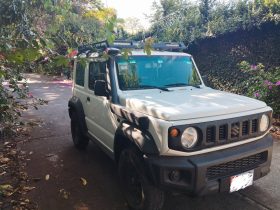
<point x="3" y="173"/>
<point x="22" y="152"/>
<point x="6" y="189"/>
<point x="84" y="181"/>
<point x="47" y="177"/>
<point x="28" y="188"/>
<point x="81" y="206"/>
<point x="64" y="193"/>
<point x="11" y="193"/>
<point x="4" y="160"/>
<point x="49" y="155"/>
<point x="13" y="152"/>
<point x="6" y="143"/>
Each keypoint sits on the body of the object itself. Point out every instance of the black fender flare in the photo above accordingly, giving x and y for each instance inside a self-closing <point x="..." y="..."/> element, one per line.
<point x="75" y="105"/>
<point x="141" y="138"/>
<point x="134" y="118"/>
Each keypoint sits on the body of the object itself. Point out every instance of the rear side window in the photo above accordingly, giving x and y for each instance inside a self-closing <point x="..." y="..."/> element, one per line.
<point x="80" y="74"/>
<point x="97" y="71"/>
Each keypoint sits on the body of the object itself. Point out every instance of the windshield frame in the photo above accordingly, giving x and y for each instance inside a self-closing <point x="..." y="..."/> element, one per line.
<point x="167" y="55"/>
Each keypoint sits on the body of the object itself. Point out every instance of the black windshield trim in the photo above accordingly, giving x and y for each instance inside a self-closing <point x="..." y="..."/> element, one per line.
<point x="153" y="87"/>
<point x="182" y="85"/>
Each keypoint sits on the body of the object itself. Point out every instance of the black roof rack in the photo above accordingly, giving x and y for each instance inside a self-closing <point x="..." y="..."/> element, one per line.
<point x="170" y="46"/>
<point x="121" y="44"/>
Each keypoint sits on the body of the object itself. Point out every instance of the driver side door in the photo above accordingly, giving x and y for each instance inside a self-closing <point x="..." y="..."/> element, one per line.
<point x="101" y="122"/>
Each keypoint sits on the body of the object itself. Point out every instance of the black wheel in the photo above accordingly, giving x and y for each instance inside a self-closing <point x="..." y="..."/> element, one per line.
<point x="80" y="141"/>
<point x="139" y="193"/>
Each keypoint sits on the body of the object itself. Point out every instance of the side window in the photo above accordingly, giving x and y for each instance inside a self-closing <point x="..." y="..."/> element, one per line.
<point x="80" y="74"/>
<point x="97" y="71"/>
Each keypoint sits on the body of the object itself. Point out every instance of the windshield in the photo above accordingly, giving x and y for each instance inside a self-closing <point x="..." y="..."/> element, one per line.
<point x="147" y="72"/>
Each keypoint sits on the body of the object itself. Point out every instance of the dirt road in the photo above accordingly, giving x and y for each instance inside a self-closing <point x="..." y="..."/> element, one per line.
<point x="51" y="152"/>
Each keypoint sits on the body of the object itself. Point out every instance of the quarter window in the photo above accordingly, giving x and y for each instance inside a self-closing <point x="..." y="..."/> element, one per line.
<point x="80" y="74"/>
<point x="97" y="71"/>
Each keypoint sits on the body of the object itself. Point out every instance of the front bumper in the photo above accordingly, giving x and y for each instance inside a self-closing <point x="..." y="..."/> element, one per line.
<point x="211" y="172"/>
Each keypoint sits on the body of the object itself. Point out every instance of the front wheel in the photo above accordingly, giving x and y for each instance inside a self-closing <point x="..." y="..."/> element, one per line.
<point x="139" y="193"/>
<point x="80" y="141"/>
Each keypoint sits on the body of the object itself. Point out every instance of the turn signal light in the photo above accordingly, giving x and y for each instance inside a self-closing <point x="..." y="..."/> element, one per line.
<point x="174" y="132"/>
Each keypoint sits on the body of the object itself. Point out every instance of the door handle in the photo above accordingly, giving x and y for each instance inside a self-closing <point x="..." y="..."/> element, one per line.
<point x="88" y="98"/>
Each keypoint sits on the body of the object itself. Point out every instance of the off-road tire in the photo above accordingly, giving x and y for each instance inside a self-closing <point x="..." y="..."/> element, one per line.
<point x="79" y="139"/>
<point x="132" y="172"/>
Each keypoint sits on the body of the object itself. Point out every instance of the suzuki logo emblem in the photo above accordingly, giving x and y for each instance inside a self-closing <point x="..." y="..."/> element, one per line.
<point x="235" y="130"/>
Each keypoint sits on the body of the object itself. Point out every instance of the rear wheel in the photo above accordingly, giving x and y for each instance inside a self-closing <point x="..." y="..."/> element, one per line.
<point x="80" y="141"/>
<point x="139" y="193"/>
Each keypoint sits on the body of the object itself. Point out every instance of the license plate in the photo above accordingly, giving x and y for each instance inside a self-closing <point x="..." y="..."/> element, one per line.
<point x="241" y="181"/>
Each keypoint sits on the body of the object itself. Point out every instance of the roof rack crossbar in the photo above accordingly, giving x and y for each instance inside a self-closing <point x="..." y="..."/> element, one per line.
<point x="169" y="46"/>
<point x="95" y="47"/>
<point x="103" y="45"/>
<point x="122" y="44"/>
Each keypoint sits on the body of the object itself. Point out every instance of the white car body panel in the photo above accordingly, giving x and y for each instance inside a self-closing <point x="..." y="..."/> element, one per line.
<point x="180" y="106"/>
<point x="187" y="103"/>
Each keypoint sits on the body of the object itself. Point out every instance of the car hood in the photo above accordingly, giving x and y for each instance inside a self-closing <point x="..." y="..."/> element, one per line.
<point x="187" y="103"/>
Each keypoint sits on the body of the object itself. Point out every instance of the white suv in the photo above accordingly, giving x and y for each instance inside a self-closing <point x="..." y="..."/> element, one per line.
<point x="164" y="128"/>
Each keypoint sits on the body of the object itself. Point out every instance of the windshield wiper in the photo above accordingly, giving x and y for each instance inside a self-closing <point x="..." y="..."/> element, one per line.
<point x="176" y="85"/>
<point x="181" y="84"/>
<point x="151" y="86"/>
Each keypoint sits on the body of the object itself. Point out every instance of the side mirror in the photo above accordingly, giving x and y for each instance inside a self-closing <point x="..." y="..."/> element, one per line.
<point x="100" y="88"/>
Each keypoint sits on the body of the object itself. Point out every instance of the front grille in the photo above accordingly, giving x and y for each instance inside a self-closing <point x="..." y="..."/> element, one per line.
<point x="223" y="132"/>
<point x="245" y="128"/>
<point x="254" y="125"/>
<point x="236" y="166"/>
<point x="210" y="134"/>
<point x="235" y="130"/>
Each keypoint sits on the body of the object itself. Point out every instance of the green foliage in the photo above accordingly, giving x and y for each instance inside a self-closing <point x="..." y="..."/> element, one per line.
<point x="109" y="26"/>
<point x="37" y="35"/>
<point x="13" y="87"/>
<point x="164" y="8"/>
<point x="204" y="8"/>
<point x="148" y="46"/>
<point x="189" y="22"/>
<point x="262" y="84"/>
<point x="217" y="57"/>
<point x="130" y="78"/>
<point x="126" y="53"/>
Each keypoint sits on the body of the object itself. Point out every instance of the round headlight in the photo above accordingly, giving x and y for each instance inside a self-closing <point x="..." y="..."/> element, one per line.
<point x="189" y="138"/>
<point x="264" y="123"/>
